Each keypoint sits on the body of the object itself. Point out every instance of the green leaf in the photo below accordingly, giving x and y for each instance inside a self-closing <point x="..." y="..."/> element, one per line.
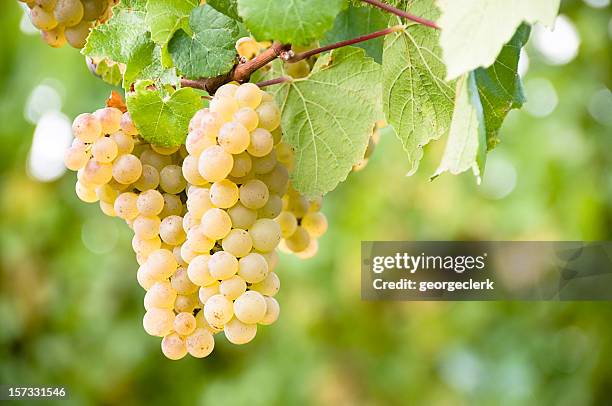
<point x="162" y="119"/>
<point x="499" y="86"/>
<point x="473" y="32"/>
<point x="146" y="63"/>
<point x="466" y="147"/>
<point x="109" y="71"/>
<point x="356" y="21"/>
<point x="165" y="17"/>
<point x="210" y="50"/>
<point x="297" y="22"/>
<point x="328" y="118"/>
<point x="417" y="101"/>
<point x="227" y="7"/>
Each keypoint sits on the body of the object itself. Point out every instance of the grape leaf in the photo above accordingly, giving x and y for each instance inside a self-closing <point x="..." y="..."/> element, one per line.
<point x="164" y="17"/>
<point x="356" y="21"/>
<point x="227" y="7"/>
<point x="297" y="22"/>
<point x="474" y="31"/>
<point x="328" y="118"/>
<point x="499" y="86"/>
<point x="162" y="119"/>
<point x="109" y="71"/>
<point x="418" y="103"/>
<point x="210" y="50"/>
<point x="466" y="147"/>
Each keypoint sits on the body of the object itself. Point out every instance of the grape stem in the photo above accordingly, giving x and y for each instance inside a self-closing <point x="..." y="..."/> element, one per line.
<point x="274" y="81"/>
<point x="290" y="57"/>
<point x="401" y="13"/>
<point x="241" y="72"/>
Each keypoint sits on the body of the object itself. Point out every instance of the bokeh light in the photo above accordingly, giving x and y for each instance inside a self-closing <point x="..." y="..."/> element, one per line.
<point x="559" y="46"/>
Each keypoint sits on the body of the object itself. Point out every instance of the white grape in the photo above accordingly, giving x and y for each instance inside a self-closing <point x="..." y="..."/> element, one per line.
<point x="272" y="311"/>
<point x="218" y="310"/>
<point x="287" y="223"/>
<point x="198" y="240"/>
<point x="238" y="242"/>
<point x="247" y="117"/>
<point x="110" y="118"/>
<point x="225" y="107"/>
<point x="226" y="90"/>
<point x="161" y="295"/>
<point x="254" y="194"/>
<point x="272" y="208"/>
<point x="299" y="240"/>
<point x="191" y="172"/>
<point x="87" y="128"/>
<point x="97" y="173"/>
<point x="86" y="194"/>
<point x="145" y="246"/>
<point x="224" y="193"/>
<point x="158" y="322"/>
<point x="181" y="283"/>
<point x="184" y="323"/>
<point x="146" y="227"/>
<point x="199" y="272"/>
<point x="265" y="164"/>
<point x="173" y="346"/>
<point x="206" y="292"/>
<point x="250" y="307"/>
<point x="266" y="235"/>
<point x="76" y="157"/>
<point x="127" y="125"/>
<point x="215" y="163"/>
<point x="172" y="206"/>
<point x="315" y="223"/>
<point x="238" y="332"/>
<point x="253" y="268"/>
<point x="124" y="142"/>
<point x="241" y="217"/>
<point x="125" y="206"/>
<point x="171" y="179"/>
<point x="269" y="116"/>
<point x="261" y="143"/>
<point x="216" y="223"/>
<point x="233" y="287"/>
<point x="162" y="264"/>
<point x="222" y="265"/>
<point x="200" y="343"/>
<point x="186" y="303"/>
<point x="199" y="202"/>
<point x="248" y="95"/>
<point x="150" y="203"/>
<point x="269" y="286"/>
<point x="242" y="165"/>
<point x="144" y="277"/>
<point x="127" y="169"/>
<point x="171" y="230"/>
<point x="234" y="137"/>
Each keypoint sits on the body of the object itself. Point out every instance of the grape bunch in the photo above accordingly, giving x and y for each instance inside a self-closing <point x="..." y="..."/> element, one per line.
<point x="62" y="21"/>
<point x="237" y="187"/>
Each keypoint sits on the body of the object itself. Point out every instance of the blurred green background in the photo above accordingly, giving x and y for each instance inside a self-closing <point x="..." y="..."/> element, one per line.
<point x="71" y="309"/>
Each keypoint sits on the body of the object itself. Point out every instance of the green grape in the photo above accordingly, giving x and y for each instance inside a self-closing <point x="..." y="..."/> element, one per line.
<point x="172" y="206"/>
<point x="269" y="116"/>
<point x="265" y="164"/>
<point x="261" y="143"/>
<point x="272" y="208"/>
<point x="248" y="95"/>
<point x="254" y="194"/>
<point x="68" y="12"/>
<point x="158" y="161"/>
<point x="171" y="179"/>
<point x="241" y="217"/>
<point x="42" y="19"/>
<point x="238" y="243"/>
<point x="266" y="235"/>
<point x="77" y="35"/>
<point x="242" y="165"/>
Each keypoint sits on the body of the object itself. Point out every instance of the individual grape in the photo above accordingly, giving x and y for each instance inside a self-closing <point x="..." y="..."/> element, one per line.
<point x="93" y="9"/>
<point x="225" y="107"/>
<point x="248" y="95"/>
<point x="127" y="125"/>
<point x="165" y="150"/>
<point x="77" y="35"/>
<point x="187" y="253"/>
<point x="299" y="69"/>
<point x="184" y="323"/>
<point x="233" y="287"/>
<point x="145" y="246"/>
<point x="125" y="143"/>
<point x="68" y="12"/>
<point x="97" y="173"/>
<point x="299" y="240"/>
<point x="176" y="250"/>
<point x="287" y="223"/>
<point x="315" y="204"/>
<point x="171" y="230"/>
<point x="150" y="203"/>
<point x="247" y="117"/>
<point x="86" y="194"/>
<point x="110" y="118"/>
<point x="186" y="303"/>
<point x="272" y="208"/>
<point x="171" y="179"/>
<point x="144" y="277"/>
<point x="261" y="143"/>
<point x="149" y="179"/>
<point x="253" y="268"/>
<point x="172" y="206"/>
<point x="269" y="286"/>
<point x="234" y="137"/>
<point x="125" y="206"/>
<point x="46" y="4"/>
<point x="272" y="311"/>
<point x="200" y="343"/>
<point x="310" y="250"/>
<point x="108" y="209"/>
<point x="271" y="258"/>
<point x="42" y="19"/>
<point x="216" y="223"/>
<point x="238" y="243"/>
<point x="247" y="47"/>
<point x="277" y="180"/>
<point x="76" y="157"/>
<point x="181" y="283"/>
<point x="158" y="322"/>
<point x="209" y="122"/>
<point x="284" y="153"/>
<point x="265" y="164"/>
<point x="158" y="161"/>
<point x="218" y="310"/>
<point x="146" y="227"/>
<point x="104" y="149"/>
<point x="241" y="217"/>
<point x="106" y="193"/>
<point x="189" y="222"/>
<point x="198" y="140"/>
<point x="226" y="90"/>
<point x="161" y="295"/>
<point x="162" y="264"/>
<point x="127" y="169"/>
<point x="238" y="332"/>
<point x="224" y="193"/>
<point x="54" y="38"/>
<point x="250" y="307"/>
<point x="222" y="265"/>
<point x="296" y="204"/>
<point x="87" y="128"/>
<point x="266" y="235"/>
<point x="254" y="194"/>
<point x="198" y="240"/>
<point x="215" y="163"/>
<point x="198" y="202"/>
<point x="173" y="346"/>
<point x="242" y="165"/>
<point x="199" y="272"/>
<point x="315" y="223"/>
<point x="206" y="292"/>
<point x="269" y="115"/>
<point x="191" y="172"/>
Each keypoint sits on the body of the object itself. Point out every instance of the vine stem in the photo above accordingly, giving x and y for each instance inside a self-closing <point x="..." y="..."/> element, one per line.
<point x="394" y="10"/>
<point x="241" y="72"/>
<point x="274" y="81"/>
<point x="289" y="56"/>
